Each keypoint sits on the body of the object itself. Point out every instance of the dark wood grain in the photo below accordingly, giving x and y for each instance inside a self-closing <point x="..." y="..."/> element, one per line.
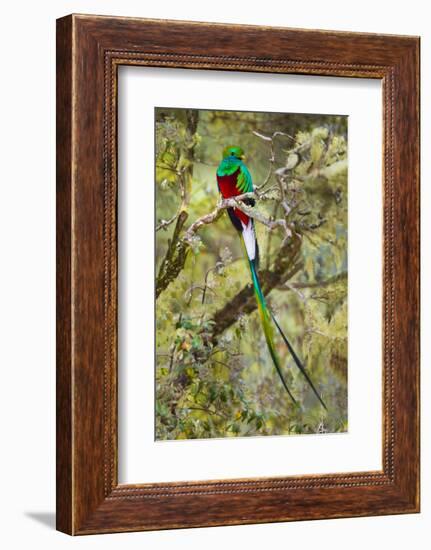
<point x="90" y="49"/>
<point x="64" y="288"/>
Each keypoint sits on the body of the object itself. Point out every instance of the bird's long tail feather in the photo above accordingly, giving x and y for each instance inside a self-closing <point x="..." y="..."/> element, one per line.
<point x="267" y="328"/>
<point x="297" y="361"/>
<point x="266" y="315"/>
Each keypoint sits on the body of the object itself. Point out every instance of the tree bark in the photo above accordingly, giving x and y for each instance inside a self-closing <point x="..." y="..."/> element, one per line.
<point x="175" y="257"/>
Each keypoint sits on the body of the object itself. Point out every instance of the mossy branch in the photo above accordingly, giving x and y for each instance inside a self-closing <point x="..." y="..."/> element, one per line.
<point x="237" y="202"/>
<point x="175" y="257"/>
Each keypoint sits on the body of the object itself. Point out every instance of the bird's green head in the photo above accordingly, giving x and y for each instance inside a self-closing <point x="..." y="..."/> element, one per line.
<point x="233" y="151"/>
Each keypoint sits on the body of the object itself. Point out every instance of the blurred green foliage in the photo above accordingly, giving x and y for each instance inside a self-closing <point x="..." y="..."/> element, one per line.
<point x="222" y="383"/>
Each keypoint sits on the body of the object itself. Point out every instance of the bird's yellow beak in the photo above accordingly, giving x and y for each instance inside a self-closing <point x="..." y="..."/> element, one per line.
<point x="243" y="157"/>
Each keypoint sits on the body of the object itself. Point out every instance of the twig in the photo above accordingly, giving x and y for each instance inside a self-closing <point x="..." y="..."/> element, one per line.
<point x="270" y="139"/>
<point x="268" y="246"/>
<point x="204" y="293"/>
<point x="203" y="289"/>
<point x="166" y="223"/>
<point x="222" y="363"/>
<point x="291" y="287"/>
<point x="271" y="158"/>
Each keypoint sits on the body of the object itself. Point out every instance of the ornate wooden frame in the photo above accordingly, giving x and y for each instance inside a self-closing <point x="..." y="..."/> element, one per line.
<point x="89" y="51"/>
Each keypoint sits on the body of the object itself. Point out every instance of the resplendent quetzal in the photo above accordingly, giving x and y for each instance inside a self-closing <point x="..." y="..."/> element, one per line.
<point x="233" y="179"/>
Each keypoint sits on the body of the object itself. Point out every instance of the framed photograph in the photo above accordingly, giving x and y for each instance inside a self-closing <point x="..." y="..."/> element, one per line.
<point x="237" y="274"/>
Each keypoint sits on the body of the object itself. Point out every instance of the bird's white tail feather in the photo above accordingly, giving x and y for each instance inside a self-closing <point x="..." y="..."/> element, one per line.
<point x="249" y="239"/>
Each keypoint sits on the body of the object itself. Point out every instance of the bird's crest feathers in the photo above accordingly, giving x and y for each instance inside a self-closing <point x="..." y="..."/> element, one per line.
<point x="233" y="151"/>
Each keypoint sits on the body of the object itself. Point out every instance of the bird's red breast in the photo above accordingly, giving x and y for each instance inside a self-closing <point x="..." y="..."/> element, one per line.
<point x="228" y="188"/>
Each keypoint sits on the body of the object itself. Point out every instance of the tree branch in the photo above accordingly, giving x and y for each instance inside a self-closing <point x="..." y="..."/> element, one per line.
<point x="236" y="202"/>
<point x="175" y="257"/>
<point x="166" y="223"/>
<point x="270" y="139"/>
